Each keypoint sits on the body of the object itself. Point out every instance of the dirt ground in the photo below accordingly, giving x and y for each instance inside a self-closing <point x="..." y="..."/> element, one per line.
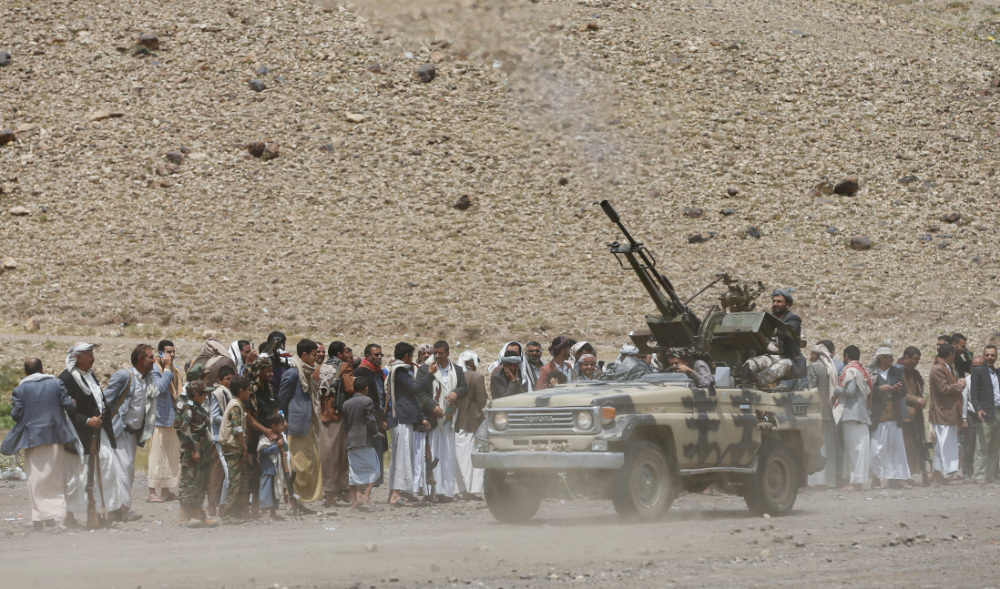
<point x="923" y="537"/>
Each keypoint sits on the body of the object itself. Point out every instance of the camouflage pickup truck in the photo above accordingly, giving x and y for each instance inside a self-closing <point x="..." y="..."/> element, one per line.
<point x="641" y="442"/>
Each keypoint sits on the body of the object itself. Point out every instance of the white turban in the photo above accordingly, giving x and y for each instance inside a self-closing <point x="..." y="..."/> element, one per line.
<point x="74" y="352"/>
<point x="468" y="356"/>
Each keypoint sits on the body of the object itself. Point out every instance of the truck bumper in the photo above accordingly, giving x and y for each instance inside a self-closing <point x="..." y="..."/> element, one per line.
<point x="549" y="460"/>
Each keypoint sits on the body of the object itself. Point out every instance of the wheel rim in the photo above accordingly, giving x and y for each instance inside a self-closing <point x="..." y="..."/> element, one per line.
<point x="776" y="480"/>
<point x="647" y="485"/>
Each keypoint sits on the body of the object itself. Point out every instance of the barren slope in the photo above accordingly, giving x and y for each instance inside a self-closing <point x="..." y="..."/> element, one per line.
<point x="533" y="114"/>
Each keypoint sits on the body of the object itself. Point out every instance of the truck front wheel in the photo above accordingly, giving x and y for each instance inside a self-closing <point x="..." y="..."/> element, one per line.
<point x="642" y="489"/>
<point x="773" y="488"/>
<point x="510" y="496"/>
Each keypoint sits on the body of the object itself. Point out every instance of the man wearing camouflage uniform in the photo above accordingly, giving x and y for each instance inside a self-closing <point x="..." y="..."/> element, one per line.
<point x="193" y="426"/>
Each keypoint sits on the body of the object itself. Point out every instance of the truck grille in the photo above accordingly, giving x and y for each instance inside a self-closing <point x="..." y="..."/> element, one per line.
<point x="541" y="420"/>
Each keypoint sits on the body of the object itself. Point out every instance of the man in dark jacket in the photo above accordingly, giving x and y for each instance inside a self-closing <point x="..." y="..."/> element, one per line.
<point x="781" y="307"/>
<point x="404" y="416"/>
<point x="984" y="393"/>
<point x="39" y="406"/>
<point x="506" y="380"/>
<point x="468" y="416"/>
<point x="370" y="369"/>
<point x="81" y="384"/>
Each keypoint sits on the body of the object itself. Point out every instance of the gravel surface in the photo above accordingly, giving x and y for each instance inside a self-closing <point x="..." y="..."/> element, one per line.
<point x="923" y="537"/>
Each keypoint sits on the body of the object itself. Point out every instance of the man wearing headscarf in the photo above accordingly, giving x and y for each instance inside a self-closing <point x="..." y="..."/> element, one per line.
<point x="558" y="370"/>
<point x="532" y="363"/>
<point x="424" y="351"/>
<point x="524" y="370"/>
<point x="888" y="411"/>
<point x="242" y="354"/>
<point x="628" y="366"/>
<point x="850" y="406"/>
<point x="468" y="416"/>
<point x="89" y="421"/>
<point x="300" y="394"/>
<point x="586" y="368"/>
<point x="213" y="356"/>
<point x="822" y="375"/>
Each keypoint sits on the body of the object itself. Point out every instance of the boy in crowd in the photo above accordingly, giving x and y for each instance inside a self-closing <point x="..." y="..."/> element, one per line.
<point x="232" y="437"/>
<point x="363" y="463"/>
<point x="270" y="456"/>
<point x="193" y="427"/>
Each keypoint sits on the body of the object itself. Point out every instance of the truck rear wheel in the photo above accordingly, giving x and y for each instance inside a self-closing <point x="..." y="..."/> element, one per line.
<point x="774" y="487"/>
<point x="510" y="497"/>
<point x="642" y="489"/>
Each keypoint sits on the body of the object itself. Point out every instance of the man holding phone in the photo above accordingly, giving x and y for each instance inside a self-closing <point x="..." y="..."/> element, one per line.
<point x="165" y="448"/>
<point x="506" y="381"/>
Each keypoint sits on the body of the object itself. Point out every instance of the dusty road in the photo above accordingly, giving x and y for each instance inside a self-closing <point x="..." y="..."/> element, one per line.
<point x="930" y="537"/>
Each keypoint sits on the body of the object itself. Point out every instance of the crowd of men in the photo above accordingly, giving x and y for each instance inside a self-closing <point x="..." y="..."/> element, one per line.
<point x="241" y="430"/>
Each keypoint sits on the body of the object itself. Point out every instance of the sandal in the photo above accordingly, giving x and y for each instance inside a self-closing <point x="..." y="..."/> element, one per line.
<point x="154" y="498"/>
<point x="401" y="502"/>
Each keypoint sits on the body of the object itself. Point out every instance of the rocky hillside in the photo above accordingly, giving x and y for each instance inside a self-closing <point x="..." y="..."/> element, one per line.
<point x="241" y="166"/>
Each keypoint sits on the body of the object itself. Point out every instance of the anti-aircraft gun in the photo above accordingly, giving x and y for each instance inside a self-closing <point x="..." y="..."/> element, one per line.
<point x="732" y="331"/>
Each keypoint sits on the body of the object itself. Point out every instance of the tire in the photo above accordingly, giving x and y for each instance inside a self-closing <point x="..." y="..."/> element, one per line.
<point x="774" y="487"/>
<point x="644" y="488"/>
<point x="509" y="497"/>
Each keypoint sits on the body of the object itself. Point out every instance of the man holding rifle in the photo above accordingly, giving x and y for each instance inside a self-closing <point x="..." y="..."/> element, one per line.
<point x="92" y="485"/>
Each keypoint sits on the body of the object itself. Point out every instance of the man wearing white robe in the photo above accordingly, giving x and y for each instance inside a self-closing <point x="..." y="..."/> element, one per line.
<point x="888" y="453"/>
<point x="468" y="417"/>
<point x="136" y="417"/>
<point x="79" y="379"/>
<point x="446" y="389"/>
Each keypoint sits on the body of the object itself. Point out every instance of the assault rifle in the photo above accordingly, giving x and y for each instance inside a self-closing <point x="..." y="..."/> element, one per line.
<point x="93" y="520"/>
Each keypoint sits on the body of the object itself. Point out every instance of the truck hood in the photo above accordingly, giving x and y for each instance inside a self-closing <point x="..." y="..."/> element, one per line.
<point x="605" y="394"/>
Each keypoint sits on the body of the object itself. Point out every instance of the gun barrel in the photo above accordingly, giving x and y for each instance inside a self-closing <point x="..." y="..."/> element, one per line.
<point x="613" y="215"/>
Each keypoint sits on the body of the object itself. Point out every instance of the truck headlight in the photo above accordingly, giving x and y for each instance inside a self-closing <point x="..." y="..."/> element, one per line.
<point x="584" y="420"/>
<point x="499" y="421"/>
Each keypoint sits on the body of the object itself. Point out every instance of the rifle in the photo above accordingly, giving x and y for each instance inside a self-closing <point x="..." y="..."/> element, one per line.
<point x="289" y="475"/>
<point x="429" y="463"/>
<point x="93" y="521"/>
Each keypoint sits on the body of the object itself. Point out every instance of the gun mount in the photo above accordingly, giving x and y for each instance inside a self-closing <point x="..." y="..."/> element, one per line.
<point x="732" y="331"/>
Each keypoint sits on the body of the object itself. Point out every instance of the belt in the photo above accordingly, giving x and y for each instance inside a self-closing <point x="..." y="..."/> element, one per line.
<point x="133" y="431"/>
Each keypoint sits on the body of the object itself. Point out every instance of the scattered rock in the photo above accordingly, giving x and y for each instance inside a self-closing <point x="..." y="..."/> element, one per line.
<point x="19" y="211"/>
<point x="907" y="180"/>
<point x="256" y="148"/>
<point x="425" y="73"/>
<point x="375" y="68"/>
<point x="33" y="324"/>
<point x="732" y="191"/>
<point x="355" y="118"/>
<point x="563" y="181"/>
<point x="271" y="151"/>
<point x="371" y="547"/>
<point x="175" y="157"/>
<point x="860" y="242"/>
<point x="701" y="237"/>
<point x="832" y="230"/>
<point x="694" y="213"/>
<point x="4" y="58"/>
<point x="951" y="217"/>
<point x="150" y="41"/>
<point x="727" y="212"/>
<point x="257" y="85"/>
<point x="463" y="203"/>
<point x="6" y="136"/>
<point x="105" y="114"/>
<point x="263" y="71"/>
<point x="846" y="187"/>
<point x="8" y="263"/>
<point x="821" y="188"/>
<point x="752" y="231"/>
<point x="591" y="27"/>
